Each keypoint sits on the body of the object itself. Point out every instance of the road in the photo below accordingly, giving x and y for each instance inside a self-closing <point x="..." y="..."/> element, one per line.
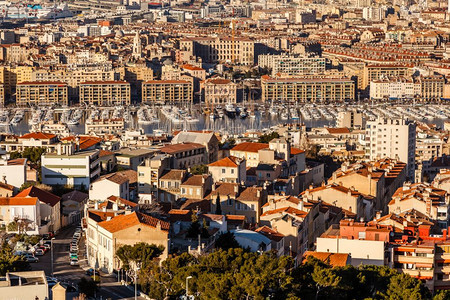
<point x="63" y="271"/>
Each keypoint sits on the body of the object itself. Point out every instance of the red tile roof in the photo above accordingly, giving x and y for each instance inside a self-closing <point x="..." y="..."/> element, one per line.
<point x="16" y="162"/>
<point x="172" y="149"/>
<point x="43" y="196"/>
<point x="295" y="151"/>
<point x="38" y="136"/>
<point x="227" y="162"/>
<point x="250" y="147"/>
<point x="122" y="222"/>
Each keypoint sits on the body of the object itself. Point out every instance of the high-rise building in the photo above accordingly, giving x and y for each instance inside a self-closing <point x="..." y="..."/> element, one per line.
<point x="392" y="138"/>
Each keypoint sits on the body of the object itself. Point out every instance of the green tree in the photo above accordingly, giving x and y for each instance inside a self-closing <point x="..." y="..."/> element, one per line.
<point x="226" y="241"/>
<point x="404" y="287"/>
<point x="325" y="278"/>
<point x="442" y="295"/>
<point x="218" y="206"/>
<point x="10" y="262"/>
<point x="87" y="287"/>
<point x="266" y="138"/>
<point x="141" y="254"/>
<point x="199" y="169"/>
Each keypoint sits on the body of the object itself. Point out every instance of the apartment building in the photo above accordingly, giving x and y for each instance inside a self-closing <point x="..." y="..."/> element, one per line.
<point x="394" y="88"/>
<point x="392" y="138"/>
<point x="2" y="94"/>
<point x="150" y="171"/>
<point x="288" y="65"/>
<point x="373" y="72"/>
<point x="185" y="155"/>
<point x="221" y="49"/>
<point x="307" y="89"/>
<point x="167" y="91"/>
<point x="432" y="87"/>
<point x="41" y="93"/>
<point x="349" y="119"/>
<point x="78" y="169"/>
<point x="105" y="93"/>
<point x="219" y="91"/>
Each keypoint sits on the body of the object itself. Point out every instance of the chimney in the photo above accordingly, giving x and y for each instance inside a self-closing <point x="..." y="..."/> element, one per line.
<point x="378" y="215"/>
<point x="104" y="209"/>
<point x="258" y="193"/>
<point x="96" y="205"/>
<point x="4" y="180"/>
<point x="115" y="207"/>
<point x="236" y="188"/>
<point x="301" y="205"/>
<point x="158" y="225"/>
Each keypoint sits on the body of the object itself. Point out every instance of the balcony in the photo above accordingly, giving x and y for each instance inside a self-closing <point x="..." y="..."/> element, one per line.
<point x="418" y="273"/>
<point x="443" y="269"/>
<point x="403" y="259"/>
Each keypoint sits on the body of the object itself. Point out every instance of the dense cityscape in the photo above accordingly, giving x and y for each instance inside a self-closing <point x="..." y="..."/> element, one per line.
<point x="259" y="149"/>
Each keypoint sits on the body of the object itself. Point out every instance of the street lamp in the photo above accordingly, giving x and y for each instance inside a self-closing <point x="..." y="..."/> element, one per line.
<point x="51" y="249"/>
<point x="135" y="282"/>
<point x="187" y="286"/>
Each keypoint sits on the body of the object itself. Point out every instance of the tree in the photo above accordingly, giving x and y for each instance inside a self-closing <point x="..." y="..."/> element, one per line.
<point x="226" y="241"/>
<point x="196" y="229"/>
<point x="87" y="287"/>
<point x="10" y="262"/>
<point x="266" y="138"/>
<point x="199" y="169"/>
<point x="218" y="207"/>
<point x="325" y="278"/>
<point x="141" y="254"/>
<point x="404" y="287"/>
<point x="442" y="295"/>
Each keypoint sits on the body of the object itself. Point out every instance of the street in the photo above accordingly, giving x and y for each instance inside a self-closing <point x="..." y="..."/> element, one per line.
<point x="64" y="272"/>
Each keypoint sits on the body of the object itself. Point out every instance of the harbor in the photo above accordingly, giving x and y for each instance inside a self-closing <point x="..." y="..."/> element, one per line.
<point x="230" y="118"/>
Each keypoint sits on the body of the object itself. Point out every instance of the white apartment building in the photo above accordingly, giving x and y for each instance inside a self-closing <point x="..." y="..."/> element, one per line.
<point x="394" y="88"/>
<point x="288" y="65"/>
<point x="74" y="170"/>
<point x="392" y="138"/>
<point x="21" y="208"/>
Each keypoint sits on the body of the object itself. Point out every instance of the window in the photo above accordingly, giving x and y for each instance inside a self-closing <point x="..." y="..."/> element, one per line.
<point x="223" y="171"/>
<point x="229" y="201"/>
<point x="183" y="190"/>
<point x="232" y="171"/>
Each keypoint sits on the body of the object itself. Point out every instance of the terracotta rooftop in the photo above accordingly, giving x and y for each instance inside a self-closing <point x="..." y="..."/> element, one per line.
<point x="38" y="136"/>
<point x="250" y="147"/>
<point x="42" y="195"/>
<point x="122" y="222"/>
<point x="172" y="149"/>
<point x="227" y="162"/>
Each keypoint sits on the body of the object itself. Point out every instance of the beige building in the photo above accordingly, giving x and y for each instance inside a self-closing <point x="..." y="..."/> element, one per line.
<point x="41" y="93"/>
<point x="238" y="200"/>
<point x="167" y="91"/>
<point x="432" y="87"/>
<point x="347" y="198"/>
<point x="249" y="151"/>
<point x="287" y="65"/>
<point x="373" y="72"/>
<point x="431" y="201"/>
<point x="102" y="93"/>
<point x="150" y="171"/>
<point x="229" y="169"/>
<point x="219" y="91"/>
<point x="349" y="119"/>
<point x="240" y="50"/>
<point x="307" y="89"/>
<point x="108" y="230"/>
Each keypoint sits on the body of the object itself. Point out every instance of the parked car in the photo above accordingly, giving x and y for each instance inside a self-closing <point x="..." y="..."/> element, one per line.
<point x="31" y="259"/>
<point x="74" y="262"/>
<point x="90" y="272"/>
<point x="39" y="252"/>
<point x="73" y="256"/>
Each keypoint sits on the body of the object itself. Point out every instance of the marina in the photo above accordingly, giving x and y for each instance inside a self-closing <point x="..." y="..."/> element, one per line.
<point x="230" y="118"/>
